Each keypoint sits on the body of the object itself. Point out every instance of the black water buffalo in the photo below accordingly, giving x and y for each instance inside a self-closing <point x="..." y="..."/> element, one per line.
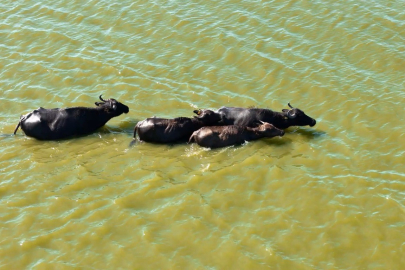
<point x="252" y="116"/>
<point x="160" y="130"/>
<point x="221" y="136"/>
<point x="55" y="124"/>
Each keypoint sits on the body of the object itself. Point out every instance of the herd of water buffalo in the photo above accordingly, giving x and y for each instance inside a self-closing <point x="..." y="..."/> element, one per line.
<point x="226" y="126"/>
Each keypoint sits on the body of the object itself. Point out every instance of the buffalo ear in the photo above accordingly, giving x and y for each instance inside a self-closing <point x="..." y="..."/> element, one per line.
<point x="97" y="103"/>
<point x="285" y="115"/>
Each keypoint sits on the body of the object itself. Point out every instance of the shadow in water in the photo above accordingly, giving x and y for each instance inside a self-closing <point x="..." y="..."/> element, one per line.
<point x="123" y="127"/>
<point x="269" y="141"/>
<point x="170" y="145"/>
<point x="276" y="142"/>
<point x="308" y="133"/>
<point x="133" y="142"/>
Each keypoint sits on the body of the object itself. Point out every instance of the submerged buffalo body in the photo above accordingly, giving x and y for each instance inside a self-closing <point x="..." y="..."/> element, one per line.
<point x="55" y="124"/>
<point x="252" y="116"/>
<point x="221" y="136"/>
<point x="160" y="130"/>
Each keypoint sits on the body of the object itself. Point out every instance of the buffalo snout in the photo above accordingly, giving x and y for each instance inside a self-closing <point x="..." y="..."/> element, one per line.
<point x="126" y="109"/>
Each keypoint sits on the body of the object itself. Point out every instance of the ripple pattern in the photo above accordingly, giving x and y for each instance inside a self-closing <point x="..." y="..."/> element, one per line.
<point x="327" y="197"/>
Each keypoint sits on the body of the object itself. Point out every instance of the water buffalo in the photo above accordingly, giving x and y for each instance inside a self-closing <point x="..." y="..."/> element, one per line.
<point x="252" y="116"/>
<point x="160" y="130"/>
<point x="221" y="136"/>
<point x="55" y="124"/>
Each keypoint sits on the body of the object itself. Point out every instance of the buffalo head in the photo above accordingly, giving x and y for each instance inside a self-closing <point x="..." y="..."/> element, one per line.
<point x="208" y="117"/>
<point x="112" y="106"/>
<point x="269" y="130"/>
<point x="298" y="117"/>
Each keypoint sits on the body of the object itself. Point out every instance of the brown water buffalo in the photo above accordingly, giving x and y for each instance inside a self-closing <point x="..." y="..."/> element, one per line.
<point x="221" y="136"/>
<point x="251" y="117"/>
<point x="55" y="124"/>
<point x="161" y="130"/>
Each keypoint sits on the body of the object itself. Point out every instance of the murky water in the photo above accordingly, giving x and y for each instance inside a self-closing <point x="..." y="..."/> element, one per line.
<point x="327" y="197"/>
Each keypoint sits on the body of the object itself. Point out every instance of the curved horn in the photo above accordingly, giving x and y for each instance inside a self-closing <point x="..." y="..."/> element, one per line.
<point x="289" y="105"/>
<point x="101" y="98"/>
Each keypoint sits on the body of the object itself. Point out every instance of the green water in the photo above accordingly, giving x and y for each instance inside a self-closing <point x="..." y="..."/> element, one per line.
<point x="326" y="197"/>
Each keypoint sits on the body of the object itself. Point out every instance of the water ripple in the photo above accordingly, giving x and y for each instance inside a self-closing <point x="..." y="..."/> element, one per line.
<point x="321" y="197"/>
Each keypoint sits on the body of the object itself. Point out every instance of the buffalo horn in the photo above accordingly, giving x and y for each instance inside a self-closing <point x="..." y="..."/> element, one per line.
<point x="101" y="98"/>
<point x="289" y="105"/>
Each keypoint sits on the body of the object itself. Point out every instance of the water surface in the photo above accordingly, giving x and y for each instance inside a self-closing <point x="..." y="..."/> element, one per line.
<point x="326" y="197"/>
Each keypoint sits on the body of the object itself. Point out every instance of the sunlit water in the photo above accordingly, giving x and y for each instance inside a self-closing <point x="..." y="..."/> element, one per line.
<point x="327" y="197"/>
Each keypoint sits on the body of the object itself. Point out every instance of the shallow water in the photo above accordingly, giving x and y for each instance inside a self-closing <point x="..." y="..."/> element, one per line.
<point x="327" y="197"/>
